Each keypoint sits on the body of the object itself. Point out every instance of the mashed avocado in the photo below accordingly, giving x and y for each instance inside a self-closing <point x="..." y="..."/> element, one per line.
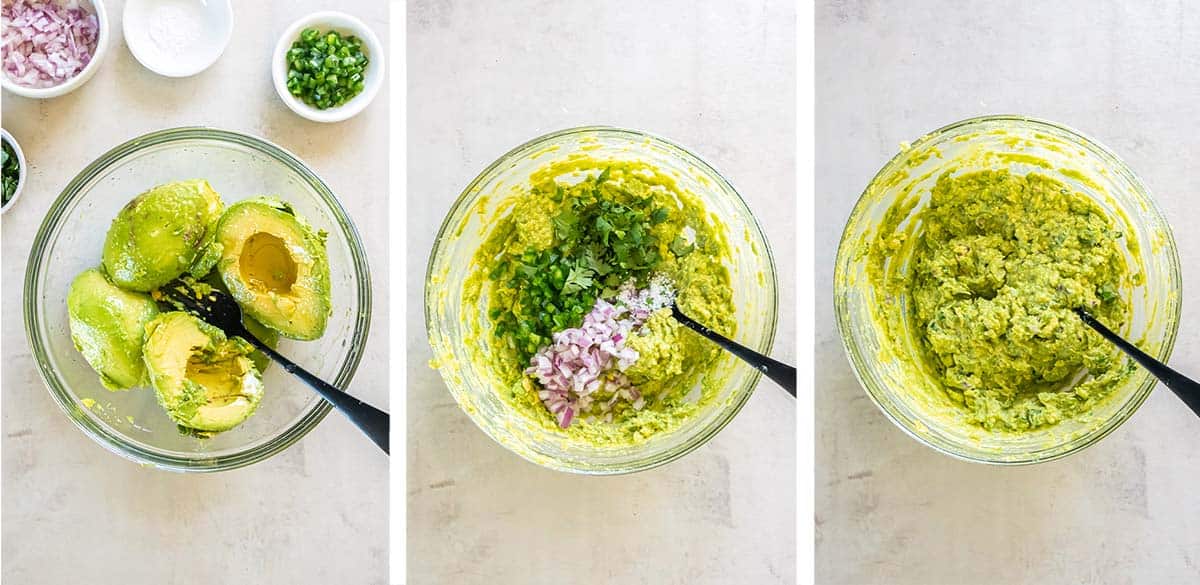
<point x="582" y="229"/>
<point x="992" y="274"/>
<point x="655" y="344"/>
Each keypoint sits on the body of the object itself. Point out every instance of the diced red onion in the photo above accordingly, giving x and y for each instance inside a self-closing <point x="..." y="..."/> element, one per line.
<point x="592" y="357"/>
<point x="46" y="42"/>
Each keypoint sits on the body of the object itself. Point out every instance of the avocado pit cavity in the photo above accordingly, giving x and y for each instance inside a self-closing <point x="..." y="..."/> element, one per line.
<point x="267" y="264"/>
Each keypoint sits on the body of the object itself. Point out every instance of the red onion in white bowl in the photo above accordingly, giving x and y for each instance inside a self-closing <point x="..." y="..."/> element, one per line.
<point x="49" y="47"/>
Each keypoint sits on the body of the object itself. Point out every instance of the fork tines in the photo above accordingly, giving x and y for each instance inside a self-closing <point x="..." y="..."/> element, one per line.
<point x="185" y="299"/>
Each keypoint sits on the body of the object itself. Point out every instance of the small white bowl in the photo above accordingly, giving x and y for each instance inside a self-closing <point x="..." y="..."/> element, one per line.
<point x="177" y="38"/>
<point x="24" y="169"/>
<point x="343" y="24"/>
<point x="73" y="83"/>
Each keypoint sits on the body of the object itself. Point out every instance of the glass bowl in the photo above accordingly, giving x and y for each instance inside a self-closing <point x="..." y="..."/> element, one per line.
<point x="131" y="423"/>
<point x="907" y="394"/>
<point x="752" y="274"/>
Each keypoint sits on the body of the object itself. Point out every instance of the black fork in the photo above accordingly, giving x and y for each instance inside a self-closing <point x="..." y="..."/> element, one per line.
<point x="221" y="311"/>
<point x="777" y="371"/>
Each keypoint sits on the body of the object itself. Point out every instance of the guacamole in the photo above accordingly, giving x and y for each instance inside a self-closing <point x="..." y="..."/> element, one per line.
<point x="578" y="254"/>
<point x="991" y="274"/>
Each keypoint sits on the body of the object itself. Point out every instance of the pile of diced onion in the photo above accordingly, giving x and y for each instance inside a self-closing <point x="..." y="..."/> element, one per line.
<point x="47" y="42"/>
<point x="584" y="362"/>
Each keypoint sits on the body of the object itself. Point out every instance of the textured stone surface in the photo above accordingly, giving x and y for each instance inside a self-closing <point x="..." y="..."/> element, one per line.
<point x="73" y="513"/>
<point x="889" y="510"/>
<point x="718" y="77"/>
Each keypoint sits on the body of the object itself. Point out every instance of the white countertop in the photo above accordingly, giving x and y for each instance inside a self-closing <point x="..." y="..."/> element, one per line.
<point x="717" y="77"/>
<point x="74" y="513"/>
<point x="889" y="510"/>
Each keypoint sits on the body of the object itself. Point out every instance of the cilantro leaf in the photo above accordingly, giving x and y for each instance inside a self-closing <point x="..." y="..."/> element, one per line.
<point x="566" y="225"/>
<point x="604" y="228"/>
<point x="578" y="279"/>
<point x="1107" y="293"/>
<point x="680" y="247"/>
<point x="593" y="263"/>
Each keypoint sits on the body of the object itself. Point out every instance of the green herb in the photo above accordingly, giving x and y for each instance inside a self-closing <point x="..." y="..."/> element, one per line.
<point x="599" y="243"/>
<point x="1107" y="292"/>
<point x="325" y="70"/>
<point x="11" y="171"/>
<point x="680" y="247"/>
<point x="578" y="279"/>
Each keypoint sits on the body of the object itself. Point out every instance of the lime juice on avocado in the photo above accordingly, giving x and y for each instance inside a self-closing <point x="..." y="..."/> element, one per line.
<point x="268" y="258"/>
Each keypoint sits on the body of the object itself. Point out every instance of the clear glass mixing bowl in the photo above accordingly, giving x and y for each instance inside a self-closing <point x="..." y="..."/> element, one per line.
<point x="754" y="294"/>
<point x="131" y="423"/>
<point x="909" y="397"/>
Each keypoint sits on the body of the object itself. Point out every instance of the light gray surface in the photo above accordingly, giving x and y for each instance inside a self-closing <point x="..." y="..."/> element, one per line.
<point x="74" y="513"/>
<point x="486" y="76"/>
<point x="889" y="510"/>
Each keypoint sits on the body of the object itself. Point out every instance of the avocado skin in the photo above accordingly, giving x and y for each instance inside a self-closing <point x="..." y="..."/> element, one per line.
<point x="162" y="234"/>
<point x="108" y="327"/>
<point x="301" y="314"/>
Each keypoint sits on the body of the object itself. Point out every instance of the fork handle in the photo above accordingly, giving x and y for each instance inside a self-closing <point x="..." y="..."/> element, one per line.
<point x="1185" y="388"/>
<point x="371" y="421"/>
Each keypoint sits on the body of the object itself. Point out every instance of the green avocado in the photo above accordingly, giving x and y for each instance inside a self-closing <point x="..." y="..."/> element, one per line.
<point x="205" y="381"/>
<point x="163" y="233"/>
<point x="275" y="266"/>
<point x="108" y="327"/>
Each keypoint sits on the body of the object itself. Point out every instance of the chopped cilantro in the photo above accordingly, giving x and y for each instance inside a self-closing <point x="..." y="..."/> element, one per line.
<point x="11" y="170"/>
<point x="599" y="243"/>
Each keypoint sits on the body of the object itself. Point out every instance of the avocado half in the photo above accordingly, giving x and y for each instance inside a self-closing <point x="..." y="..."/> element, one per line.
<point x="275" y="266"/>
<point x="108" y="327"/>
<point x="204" y="380"/>
<point x="162" y="234"/>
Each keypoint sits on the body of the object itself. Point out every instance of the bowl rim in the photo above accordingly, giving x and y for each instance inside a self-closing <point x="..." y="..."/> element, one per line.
<point x="69" y="85"/>
<point x="146" y="60"/>
<point x="244" y="457"/>
<point x="357" y="103"/>
<point x="465" y="199"/>
<point x="22" y="175"/>
<point x="1144" y="389"/>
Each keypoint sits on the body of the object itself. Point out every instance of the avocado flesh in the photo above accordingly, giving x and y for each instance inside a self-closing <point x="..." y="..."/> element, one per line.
<point x="162" y="234"/>
<point x="275" y="266"/>
<point x="204" y="380"/>
<point x="108" y="327"/>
